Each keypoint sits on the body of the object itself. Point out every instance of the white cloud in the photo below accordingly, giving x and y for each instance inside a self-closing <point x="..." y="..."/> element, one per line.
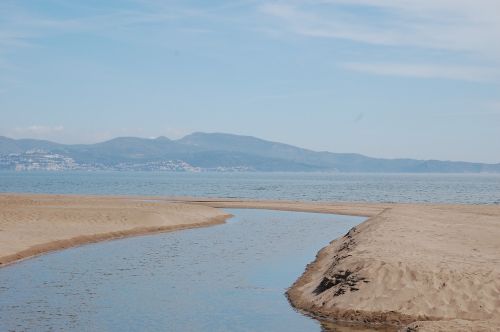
<point x="470" y="26"/>
<point x="466" y="73"/>
<point x="466" y="29"/>
<point x="22" y="26"/>
<point x="310" y="23"/>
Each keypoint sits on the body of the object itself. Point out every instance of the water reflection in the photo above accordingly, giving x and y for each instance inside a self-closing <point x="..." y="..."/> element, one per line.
<point x="229" y="277"/>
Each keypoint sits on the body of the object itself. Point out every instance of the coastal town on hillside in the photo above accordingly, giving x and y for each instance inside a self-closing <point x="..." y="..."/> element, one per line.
<point x="41" y="160"/>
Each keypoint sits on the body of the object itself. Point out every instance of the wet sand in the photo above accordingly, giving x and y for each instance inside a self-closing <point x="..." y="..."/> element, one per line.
<point x="34" y="224"/>
<point x="435" y="267"/>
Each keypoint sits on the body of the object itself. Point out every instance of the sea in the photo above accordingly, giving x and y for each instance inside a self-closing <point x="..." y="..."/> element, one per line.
<point x="388" y="188"/>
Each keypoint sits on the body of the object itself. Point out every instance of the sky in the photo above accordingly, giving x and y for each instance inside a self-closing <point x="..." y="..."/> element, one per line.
<point x="385" y="78"/>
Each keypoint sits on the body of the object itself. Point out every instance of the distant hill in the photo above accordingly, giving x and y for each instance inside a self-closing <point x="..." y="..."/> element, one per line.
<point x="210" y="151"/>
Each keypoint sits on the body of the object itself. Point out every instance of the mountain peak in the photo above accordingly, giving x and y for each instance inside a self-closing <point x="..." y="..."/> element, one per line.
<point x="162" y="138"/>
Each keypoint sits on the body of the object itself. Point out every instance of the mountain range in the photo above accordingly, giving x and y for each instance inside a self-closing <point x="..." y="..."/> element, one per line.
<point x="216" y="151"/>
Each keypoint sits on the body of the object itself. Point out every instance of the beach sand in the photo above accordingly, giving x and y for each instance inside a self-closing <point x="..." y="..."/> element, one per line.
<point x="416" y="266"/>
<point x="438" y="264"/>
<point x="34" y="224"/>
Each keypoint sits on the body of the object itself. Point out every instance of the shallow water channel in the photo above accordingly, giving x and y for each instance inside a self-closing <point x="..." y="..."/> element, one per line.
<point x="230" y="277"/>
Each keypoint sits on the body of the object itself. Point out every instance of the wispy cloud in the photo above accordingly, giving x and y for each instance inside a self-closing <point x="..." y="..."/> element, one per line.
<point x="21" y="27"/>
<point x="312" y="24"/>
<point x="466" y="73"/>
<point x="467" y="28"/>
<point x="441" y="24"/>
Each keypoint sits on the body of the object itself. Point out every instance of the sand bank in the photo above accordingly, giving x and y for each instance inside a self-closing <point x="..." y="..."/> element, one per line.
<point x="34" y="224"/>
<point x="434" y="267"/>
<point x="439" y="264"/>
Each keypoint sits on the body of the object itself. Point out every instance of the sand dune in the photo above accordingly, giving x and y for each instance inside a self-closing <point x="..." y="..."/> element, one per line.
<point x="419" y="267"/>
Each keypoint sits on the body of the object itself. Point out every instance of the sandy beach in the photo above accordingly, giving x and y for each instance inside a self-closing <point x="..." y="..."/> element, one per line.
<point x="411" y="263"/>
<point x="418" y="267"/>
<point x="34" y="224"/>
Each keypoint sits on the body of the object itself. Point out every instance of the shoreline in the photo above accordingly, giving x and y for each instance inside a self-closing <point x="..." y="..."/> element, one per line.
<point x="445" y="279"/>
<point x="57" y="245"/>
<point x="33" y="225"/>
<point x="38" y="249"/>
<point x="432" y="266"/>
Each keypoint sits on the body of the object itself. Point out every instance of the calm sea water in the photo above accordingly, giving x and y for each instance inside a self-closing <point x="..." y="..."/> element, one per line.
<point x="229" y="277"/>
<point x="443" y="188"/>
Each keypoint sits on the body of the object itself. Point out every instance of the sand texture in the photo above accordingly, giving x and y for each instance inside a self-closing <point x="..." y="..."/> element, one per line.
<point x="34" y="224"/>
<point x="419" y="267"/>
<point x="436" y="264"/>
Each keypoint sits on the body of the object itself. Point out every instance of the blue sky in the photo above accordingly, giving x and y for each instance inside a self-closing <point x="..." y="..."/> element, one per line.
<point x="386" y="78"/>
